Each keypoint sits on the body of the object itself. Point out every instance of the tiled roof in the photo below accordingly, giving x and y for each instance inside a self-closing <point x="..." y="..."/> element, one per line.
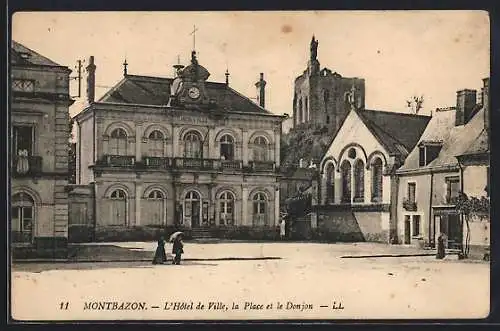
<point x="22" y="55"/>
<point x="147" y="90"/>
<point x="397" y="132"/>
<point x="457" y="140"/>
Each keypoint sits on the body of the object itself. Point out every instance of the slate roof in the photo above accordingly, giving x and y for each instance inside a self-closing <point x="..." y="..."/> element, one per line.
<point x="133" y="89"/>
<point x="397" y="132"/>
<point x="456" y="140"/>
<point x="22" y="55"/>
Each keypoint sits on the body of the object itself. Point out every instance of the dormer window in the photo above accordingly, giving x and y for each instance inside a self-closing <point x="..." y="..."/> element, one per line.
<point x="428" y="152"/>
<point x="24" y="55"/>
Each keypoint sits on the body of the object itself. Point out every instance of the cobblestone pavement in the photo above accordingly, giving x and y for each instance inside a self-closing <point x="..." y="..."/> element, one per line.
<point x="307" y="277"/>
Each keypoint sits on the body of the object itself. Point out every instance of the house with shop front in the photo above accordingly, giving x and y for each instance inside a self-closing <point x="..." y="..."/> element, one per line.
<point x="159" y="154"/>
<point x="452" y="156"/>
<point x="356" y="194"/>
<point x="38" y="155"/>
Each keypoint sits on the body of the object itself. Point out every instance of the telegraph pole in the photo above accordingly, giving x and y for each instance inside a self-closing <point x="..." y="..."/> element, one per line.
<point x="79" y="77"/>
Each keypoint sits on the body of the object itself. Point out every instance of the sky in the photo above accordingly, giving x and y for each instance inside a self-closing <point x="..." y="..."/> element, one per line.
<point x="398" y="53"/>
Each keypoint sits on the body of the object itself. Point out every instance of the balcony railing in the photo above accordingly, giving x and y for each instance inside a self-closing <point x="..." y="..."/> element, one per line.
<point x="409" y="205"/>
<point x="262" y="165"/>
<point x="21" y="237"/>
<point x="157" y="162"/>
<point x="192" y="163"/>
<point x="26" y="165"/>
<point x="231" y="164"/>
<point x="118" y="161"/>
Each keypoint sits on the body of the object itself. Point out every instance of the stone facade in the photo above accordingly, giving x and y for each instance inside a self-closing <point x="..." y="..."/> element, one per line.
<point x="39" y="159"/>
<point x="322" y="97"/>
<point x="452" y="156"/>
<point x="200" y="160"/>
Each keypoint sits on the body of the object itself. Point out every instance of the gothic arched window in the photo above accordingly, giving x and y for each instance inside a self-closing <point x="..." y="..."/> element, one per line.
<point x="330" y="183"/>
<point x="346" y="181"/>
<point x="377" y="180"/>
<point x="359" y="181"/>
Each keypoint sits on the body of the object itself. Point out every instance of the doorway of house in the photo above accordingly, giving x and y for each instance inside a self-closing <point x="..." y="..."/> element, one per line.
<point x="407" y="230"/>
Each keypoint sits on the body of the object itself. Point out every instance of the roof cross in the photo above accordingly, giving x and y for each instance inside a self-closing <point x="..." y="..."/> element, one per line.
<point x="194" y="36"/>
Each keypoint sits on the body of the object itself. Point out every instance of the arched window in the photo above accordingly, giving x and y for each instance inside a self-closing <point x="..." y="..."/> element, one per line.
<point x="117" y="208"/>
<point x="155" y="195"/>
<point x="359" y="181"/>
<point x="260" y="149"/>
<point x="330" y="183"/>
<point x="346" y="181"/>
<point x="155" y="143"/>
<point x="227" y="147"/>
<point x="154" y="209"/>
<point x="377" y="180"/>
<point x="22" y="216"/>
<point x="306" y="110"/>
<point x="118" y="142"/>
<point x="226" y="208"/>
<point x="118" y="194"/>
<point x="193" y="145"/>
<point x="259" y="209"/>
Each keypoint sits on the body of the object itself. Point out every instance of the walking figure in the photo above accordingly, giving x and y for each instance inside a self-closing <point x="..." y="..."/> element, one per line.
<point x="282" y="229"/>
<point x="440" y="247"/>
<point x="177" y="249"/>
<point x="160" y="254"/>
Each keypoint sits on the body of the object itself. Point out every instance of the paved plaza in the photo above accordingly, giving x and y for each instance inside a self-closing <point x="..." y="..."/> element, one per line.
<point x="309" y="281"/>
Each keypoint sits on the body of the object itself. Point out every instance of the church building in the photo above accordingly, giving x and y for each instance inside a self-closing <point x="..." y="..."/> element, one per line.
<point x="355" y="198"/>
<point x="156" y="155"/>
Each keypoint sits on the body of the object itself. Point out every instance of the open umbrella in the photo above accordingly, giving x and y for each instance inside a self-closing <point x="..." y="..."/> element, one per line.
<point x="175" y="235"/>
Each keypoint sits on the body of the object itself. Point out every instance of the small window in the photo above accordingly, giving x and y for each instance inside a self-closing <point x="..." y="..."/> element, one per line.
<point x="411" y="192"/>
<point x="327" y="119"/>
<point x="452" y="189"/>
<point x="352" y="153"/>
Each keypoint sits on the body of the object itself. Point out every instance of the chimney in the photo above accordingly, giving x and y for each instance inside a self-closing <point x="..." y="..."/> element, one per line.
<point x="261" y="91"/>
<point x="91" y="80"/>
<point x="486" y="103"/>
<point x="466" y="101"/>
<point x="227" y="77"/>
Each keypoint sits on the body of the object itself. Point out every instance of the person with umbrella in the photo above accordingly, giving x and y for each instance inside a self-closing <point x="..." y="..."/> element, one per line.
<point x="177" y="247"/>
<point x="160" y="254"/>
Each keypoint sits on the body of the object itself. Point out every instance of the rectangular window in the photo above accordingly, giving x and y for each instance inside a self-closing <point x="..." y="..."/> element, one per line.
<point x="23" y="139"/>
<point x="416" y="225"/>
<point x="421" y="156"/>
<point x="411" y="192"/>
<point x="452" y="189"/>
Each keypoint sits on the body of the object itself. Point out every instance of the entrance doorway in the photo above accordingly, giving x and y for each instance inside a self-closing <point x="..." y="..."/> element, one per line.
<point x="407" y="230"/>
<point x="451" y="226"/>
<point x="192" y="208"/>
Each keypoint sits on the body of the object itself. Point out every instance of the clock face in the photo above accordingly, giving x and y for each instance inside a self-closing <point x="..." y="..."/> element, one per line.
<point x="194" y="93"/>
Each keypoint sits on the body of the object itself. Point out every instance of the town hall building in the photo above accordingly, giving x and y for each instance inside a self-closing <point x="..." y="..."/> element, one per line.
<point x="156" y="154"/>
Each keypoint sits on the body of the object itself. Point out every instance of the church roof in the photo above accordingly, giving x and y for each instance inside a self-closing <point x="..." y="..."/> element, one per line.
<point x="397" y="132"/>
<point x="147" y="90"/>
<point x="458" y="140"/>
<point x="22" y="55"/>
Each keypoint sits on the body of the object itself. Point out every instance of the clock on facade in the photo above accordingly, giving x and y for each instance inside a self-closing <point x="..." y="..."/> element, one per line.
<point x="194" y="93"/>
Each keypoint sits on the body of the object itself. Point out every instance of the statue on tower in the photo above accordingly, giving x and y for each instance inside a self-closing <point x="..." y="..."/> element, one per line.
<point x="314" y="49"/>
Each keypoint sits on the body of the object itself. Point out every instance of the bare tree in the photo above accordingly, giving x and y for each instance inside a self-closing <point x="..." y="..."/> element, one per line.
<point x="415" y="103"/>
